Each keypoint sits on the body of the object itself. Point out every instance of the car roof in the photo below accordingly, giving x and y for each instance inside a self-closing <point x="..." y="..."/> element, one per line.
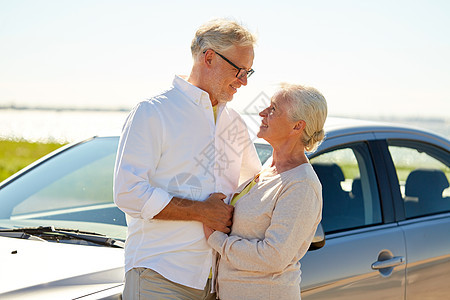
<point x="335" y="126"/>
<point x="338" y="126"/>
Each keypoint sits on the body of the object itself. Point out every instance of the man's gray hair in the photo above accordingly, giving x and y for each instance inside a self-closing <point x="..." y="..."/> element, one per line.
<point x="309" y="105"/>
<point x="220" y="35"/>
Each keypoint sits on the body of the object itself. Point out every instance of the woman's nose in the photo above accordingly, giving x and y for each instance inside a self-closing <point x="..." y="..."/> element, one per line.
<point x="263" y="113"/>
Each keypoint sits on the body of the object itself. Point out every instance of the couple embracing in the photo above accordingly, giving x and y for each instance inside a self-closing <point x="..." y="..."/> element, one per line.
<point x="205" y="220"/>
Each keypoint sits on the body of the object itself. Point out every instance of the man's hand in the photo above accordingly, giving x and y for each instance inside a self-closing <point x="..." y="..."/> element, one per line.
<point x="212" y="212"/>
<point x="208" y="231"/>
<point x="216" y="214"/>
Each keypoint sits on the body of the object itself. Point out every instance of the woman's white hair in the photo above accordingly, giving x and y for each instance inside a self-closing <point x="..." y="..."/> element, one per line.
<point x="220" y="35"/>
<point x="309" y="105"/>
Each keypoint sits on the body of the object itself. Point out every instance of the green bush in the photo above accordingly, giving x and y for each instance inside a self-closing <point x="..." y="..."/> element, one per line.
<point x="15" y="155"/>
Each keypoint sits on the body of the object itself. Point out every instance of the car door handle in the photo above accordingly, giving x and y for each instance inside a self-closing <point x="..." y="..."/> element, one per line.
<point x="389" y="263"/>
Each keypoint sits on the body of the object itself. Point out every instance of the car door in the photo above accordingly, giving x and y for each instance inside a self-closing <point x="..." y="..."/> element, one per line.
<point x="364" y="253"/>
<point x="422" y="185"/>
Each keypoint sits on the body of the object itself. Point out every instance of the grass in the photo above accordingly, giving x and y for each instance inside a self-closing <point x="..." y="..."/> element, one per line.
<point x="15" y="155"/>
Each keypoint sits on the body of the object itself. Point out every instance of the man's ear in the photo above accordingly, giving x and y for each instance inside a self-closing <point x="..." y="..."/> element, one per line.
<point x="209" y="54"/>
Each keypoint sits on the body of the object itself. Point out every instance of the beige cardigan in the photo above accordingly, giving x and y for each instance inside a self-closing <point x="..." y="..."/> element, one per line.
<point x="273" y="226"/>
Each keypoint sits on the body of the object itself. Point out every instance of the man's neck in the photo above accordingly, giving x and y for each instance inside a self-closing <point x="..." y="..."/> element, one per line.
<point x="194" y="79"/>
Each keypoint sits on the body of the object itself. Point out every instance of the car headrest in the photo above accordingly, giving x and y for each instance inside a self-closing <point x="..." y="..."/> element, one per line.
<point x="328" y="173"/>
<point x="357" y="187"/>
<point x="424" y="181"/>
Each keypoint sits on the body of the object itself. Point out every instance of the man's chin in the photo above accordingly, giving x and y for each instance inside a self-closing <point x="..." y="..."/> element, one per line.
<point x="225" y="98"/>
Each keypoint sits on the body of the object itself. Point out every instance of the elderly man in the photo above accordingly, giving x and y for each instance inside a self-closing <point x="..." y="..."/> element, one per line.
<point x="176" y="149"/>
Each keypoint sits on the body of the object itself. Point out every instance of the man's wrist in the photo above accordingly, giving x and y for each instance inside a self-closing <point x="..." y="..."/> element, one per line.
<point x="180" y="209"/>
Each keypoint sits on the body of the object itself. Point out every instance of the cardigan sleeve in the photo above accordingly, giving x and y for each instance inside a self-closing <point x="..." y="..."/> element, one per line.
<point x="294" y="220"/>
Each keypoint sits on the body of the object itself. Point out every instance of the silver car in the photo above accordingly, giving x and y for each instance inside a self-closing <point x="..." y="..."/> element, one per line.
<point x="385" y="232"/>
<point x="386" y="214"/>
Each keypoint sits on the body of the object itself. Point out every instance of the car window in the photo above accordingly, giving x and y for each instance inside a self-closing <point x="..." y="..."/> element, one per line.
<point x="349" y="188"/>
<point x="73" y="188"/>
<point x="88" y="184"/>
<point x="423" y="173"/>
<point x="264" y="152"/>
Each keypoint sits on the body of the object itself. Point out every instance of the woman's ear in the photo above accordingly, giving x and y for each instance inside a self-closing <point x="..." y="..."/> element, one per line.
<point x="300" y="125"/>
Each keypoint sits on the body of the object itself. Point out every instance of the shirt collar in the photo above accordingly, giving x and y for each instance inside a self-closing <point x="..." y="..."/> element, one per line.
<point x="194" y="93"/>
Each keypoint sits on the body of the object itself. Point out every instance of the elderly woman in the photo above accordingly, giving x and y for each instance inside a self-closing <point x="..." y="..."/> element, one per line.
<point x="277" y="213"/>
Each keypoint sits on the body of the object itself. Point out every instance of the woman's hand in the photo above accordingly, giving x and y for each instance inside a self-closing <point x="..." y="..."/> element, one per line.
<point x="208" y="231"/>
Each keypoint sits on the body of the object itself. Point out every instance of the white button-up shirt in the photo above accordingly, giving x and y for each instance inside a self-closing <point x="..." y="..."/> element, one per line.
<point x="171" y="146"/>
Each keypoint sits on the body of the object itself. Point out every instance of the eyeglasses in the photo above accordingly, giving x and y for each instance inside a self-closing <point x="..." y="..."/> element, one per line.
<point x="242" y="72"/>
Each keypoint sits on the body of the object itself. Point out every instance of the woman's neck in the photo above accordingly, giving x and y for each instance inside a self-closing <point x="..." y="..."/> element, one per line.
<point x="288" y="156"/>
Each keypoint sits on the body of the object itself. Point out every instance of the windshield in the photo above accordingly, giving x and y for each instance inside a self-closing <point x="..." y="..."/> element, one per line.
<point x="73" y="190"/>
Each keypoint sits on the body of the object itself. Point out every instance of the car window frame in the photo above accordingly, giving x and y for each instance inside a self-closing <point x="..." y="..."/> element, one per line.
<point x="377" y="153"/>
<point x="395" y="186"/>
<point x="414" y="135"/>
<point x="391" y="198"/>
<point x="362" y="162"/>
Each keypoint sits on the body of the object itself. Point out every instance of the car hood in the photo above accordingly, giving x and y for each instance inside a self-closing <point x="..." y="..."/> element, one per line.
<point x="48" y="270"/>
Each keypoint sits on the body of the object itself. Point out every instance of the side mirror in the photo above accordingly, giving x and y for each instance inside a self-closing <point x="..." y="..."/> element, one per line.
<point x="318" y="240"/>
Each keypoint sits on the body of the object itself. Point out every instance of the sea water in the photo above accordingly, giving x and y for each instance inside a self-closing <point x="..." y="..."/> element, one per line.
<point x="59" y="126"/>
<point x="69" y="126"/>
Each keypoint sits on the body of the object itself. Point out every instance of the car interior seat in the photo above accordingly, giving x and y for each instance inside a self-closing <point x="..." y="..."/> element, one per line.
<point x="335" y="199"/>
<point x="356" y="202"/>
<point x="423" y="191"/>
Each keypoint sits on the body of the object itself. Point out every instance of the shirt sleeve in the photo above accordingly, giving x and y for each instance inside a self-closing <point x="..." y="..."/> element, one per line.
<point x="139" y="150"/>
<point x="294" y="221"/>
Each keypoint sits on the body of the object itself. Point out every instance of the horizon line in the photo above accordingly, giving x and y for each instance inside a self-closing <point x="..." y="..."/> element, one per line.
<point x="124" y="109"/>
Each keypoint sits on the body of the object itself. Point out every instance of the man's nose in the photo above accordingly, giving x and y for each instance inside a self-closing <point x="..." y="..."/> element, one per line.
<point x="243" y="80"/>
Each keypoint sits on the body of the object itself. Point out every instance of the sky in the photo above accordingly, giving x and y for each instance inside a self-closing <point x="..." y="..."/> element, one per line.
<point x="388" y="58"/>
